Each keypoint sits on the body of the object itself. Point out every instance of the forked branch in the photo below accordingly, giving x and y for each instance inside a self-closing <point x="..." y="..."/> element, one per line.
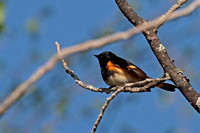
<point x="160" y="51"/>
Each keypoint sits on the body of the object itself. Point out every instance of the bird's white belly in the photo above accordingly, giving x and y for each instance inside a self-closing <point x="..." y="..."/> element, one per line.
<point x="120" y="79"/>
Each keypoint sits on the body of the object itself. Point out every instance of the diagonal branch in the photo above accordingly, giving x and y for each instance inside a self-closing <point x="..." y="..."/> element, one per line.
<point x="186" y="11"/>
<point x="176" y="6"/>
<point x="161" y="53"/>
<point x="103" y="109"/>
<point x="136" y="20"/>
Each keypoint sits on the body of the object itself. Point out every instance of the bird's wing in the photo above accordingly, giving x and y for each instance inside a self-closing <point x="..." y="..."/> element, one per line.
<point x="130" y="67"/>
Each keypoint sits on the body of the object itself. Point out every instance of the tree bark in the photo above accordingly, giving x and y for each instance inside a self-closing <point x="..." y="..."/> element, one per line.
<point x="177" y="77"/>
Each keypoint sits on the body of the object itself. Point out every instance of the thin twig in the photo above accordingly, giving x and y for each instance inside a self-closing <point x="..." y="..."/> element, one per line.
<point x="170" y="11"/>
<point x="185" y="11"/>
<point x="104" y="108"/>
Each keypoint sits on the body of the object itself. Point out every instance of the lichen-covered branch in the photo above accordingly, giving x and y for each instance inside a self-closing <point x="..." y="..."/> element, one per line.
<point x="160" y="51"/>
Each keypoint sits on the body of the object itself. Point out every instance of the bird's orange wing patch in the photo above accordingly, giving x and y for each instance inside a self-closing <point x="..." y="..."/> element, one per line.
<point x="131" y="67"/>
<point x="110" y="66"/>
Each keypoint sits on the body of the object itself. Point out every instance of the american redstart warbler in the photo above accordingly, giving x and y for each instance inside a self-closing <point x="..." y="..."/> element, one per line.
<point x="118" y="71"/>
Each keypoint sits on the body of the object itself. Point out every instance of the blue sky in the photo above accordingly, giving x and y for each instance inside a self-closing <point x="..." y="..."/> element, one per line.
<point x="55" y="104"/>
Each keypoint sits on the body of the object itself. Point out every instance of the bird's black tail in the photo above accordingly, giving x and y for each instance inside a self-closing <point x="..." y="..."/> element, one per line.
<point x="167" y="87"/>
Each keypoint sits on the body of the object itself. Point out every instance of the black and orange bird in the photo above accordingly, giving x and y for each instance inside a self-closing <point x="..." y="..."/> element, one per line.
<point x="117" y="71"/>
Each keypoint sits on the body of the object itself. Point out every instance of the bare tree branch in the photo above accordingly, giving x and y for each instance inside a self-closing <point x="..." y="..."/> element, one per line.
<point x="138" y="21"/>
<point x="22" y="88"/>
<point x="103" y="109"/>
<point x="186" y="11"/>
<point x="161" y="53"/>
<point x="176" y="6"/>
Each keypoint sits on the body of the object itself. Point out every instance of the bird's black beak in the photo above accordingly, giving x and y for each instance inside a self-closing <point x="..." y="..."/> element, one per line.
<point x="96" y="56"/>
